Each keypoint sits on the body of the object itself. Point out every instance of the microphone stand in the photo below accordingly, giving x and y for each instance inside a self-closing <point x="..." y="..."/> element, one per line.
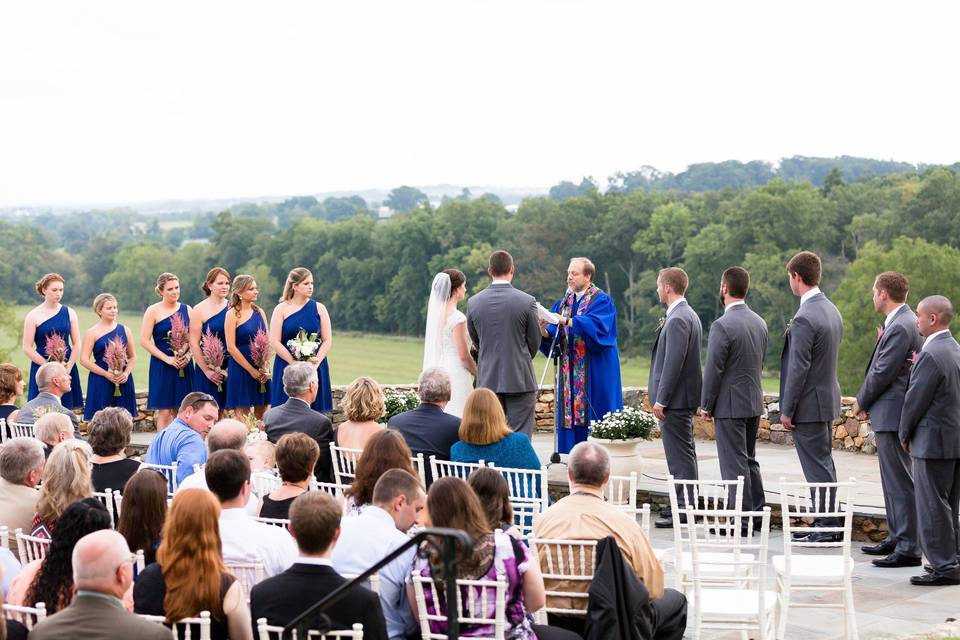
<point x="555" y="356"/>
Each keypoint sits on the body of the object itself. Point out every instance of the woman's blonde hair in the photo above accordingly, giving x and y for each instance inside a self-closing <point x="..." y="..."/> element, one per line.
<point x="240" y="284"/>
<point x="66" y="479"/>
<point x="101" y="300"/>
<point x="483" y="420"/>
<point x="47" y="279"/>
<point x="295" y="277"/>
<point x="363" y="400"/>
<point x="162" y="281"/>
<point x="212" y="276"/>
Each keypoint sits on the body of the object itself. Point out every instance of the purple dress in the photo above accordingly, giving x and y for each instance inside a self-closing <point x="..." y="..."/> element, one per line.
<point x="59" y="324"/>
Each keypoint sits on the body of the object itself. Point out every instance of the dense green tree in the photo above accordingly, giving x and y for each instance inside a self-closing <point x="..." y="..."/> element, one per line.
<point x="403" y="199"/>
<point x="134" y="277"/>
<point x="233" y="238"/>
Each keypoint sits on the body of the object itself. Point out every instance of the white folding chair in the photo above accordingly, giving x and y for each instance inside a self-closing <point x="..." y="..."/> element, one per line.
<point x="373" y="582"/>
<point x="106" y="497"/>
<point x="140" y="563"/>
<point x="27" y="616"/>
<point x="265" y="483"/>
<point x="330" y="488"/>
<point x="169" y="472"/>
<point x="443" y="468"/>
<point x="184" y="629"/>
<point x="421" y="468"/>
<point x="3" y="430"/>
<point x="283" y="523"/>
<point x="744" y="604"/>
<point x="831" y="569"/>
<point x="344" y="463"/>
<point x="473" y="605"/>
<point x="621" y="491"/>
<point x="117" y="499"/>
<point x="5" y="537"/>
<point x="22" y="430"/>
<point x="271" y="632"/>
<point x="247" y="573"/>
<point x="31" y="548"/>
<point x="565" y="561"/>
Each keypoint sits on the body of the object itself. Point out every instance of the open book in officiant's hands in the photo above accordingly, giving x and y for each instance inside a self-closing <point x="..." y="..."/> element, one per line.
<point x="545" y="315"/>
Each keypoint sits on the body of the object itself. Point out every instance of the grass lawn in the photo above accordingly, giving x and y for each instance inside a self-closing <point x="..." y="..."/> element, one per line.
<point x="386" y="359"/>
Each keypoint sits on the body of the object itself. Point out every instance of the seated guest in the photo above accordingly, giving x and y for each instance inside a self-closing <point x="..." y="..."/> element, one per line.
<point x="363" y="404"/>
<point x="301" y="384"/>
<point x="144" y="512"/>
<point x="226" y="434"/>
<point x="315" y="524"/>
<point x="11" y="388"/>
<point x="262" y="455"/>
<point x="452" y="503"/>
<point x="397" y="501"/>
<point x="65" y="479"/>
<point x="494" y="493"/>
<point x="53" y="381"/>
<point x="51" y="429"/>
<point x="102" y="572"/>
<point x="485" y="435"/>
<point x="189" y="575"/>
<point x="9" y="629"/>
<point x="386" y="450"/>
<point x="182" y="440"/>
<point x="585" y="515"/>
<point x="427" y="429"/>
<point x="50" y="580"/>
<point x="109" y="434"/>
<point x="297" y="455"/>
<point x="21" y="467"/>
<point x="245" y="539"/>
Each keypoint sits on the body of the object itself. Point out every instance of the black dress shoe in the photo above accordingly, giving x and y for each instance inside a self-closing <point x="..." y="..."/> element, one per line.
<point x="933" y="580"/>
<point x="663" y="523"/>
<point x="897" y="560"/>
<point x="885" y="548"/>
<point x="817" y="536"/>
<point x="666" y="512"/>
<point x="927" y="568"/>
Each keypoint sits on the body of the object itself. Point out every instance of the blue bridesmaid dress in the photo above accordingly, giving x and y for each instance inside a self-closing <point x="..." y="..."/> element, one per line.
<point x="308" y="319"/>
<point x="202" y="382"/>
<point x="59" y="323"/>
<point x="167" y="389"/>
<point x="244" y="391"/>
<point x="100" y="390"/>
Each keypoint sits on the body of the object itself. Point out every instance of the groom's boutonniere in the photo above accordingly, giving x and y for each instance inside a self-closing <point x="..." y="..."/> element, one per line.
<point x="661" y="322"/>
<point x="786" y="331"/>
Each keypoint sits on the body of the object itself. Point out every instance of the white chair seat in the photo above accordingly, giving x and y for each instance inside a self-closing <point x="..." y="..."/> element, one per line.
<point x="732" y="603"/>
<point x="810" y="567"/>
<point x="708" y="566"/>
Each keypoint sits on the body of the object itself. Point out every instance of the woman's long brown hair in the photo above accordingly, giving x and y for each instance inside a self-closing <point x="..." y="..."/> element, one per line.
<point x="190" y="556"/>
<point x="384" y="451"/>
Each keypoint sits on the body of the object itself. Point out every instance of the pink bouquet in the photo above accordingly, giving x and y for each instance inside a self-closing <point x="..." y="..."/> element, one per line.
<point x="55" y="348"/>
<point x="260" y="353"/>
<point x="179" y="338"/>
<point x="115" y="355"/>
<point x="211" y="346"/>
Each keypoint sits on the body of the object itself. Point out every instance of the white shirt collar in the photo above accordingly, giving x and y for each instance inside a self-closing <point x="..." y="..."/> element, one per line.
<point x="931" y="337"/>
<point x="316" y="561"/>
<point x="300" y="399"/>
<point x="809" y="294"/>
<point x="500" y="281"/>
<point x="886" y="321"/>
<point x="673" y="305"/>
<point x="734" y="304"/>
<point x="580" y="295"/>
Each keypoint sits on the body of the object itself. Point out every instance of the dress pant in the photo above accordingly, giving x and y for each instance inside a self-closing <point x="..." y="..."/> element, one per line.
<point x="813" y="442"/>
<point x="676" y="432"/>
<point x="737" y="450"/>
<point x="667" y="615"/>
<point x="521" y="410"/>
<point x="938" y="507"/>
<point x="896" y="479"/>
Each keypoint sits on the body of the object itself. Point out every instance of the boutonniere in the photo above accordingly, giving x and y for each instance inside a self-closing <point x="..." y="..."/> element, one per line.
<point x="661" y="322"/>
<point x="786" y="331"/>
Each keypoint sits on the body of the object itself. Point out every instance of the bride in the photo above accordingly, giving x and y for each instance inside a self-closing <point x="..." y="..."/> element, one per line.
<point x="445" y="342"/>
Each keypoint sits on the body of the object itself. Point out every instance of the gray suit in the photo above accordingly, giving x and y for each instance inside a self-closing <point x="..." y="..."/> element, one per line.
<point x="48" y="402"/>
<point x="675" y="383"/>
<point x="502" y="322"/>
<point x="930" y="423"/>
<point x="881" y="394"/>
<point x="93" y="618"/>
<point x="733" y="395"/>
<point x="295" y="415"/>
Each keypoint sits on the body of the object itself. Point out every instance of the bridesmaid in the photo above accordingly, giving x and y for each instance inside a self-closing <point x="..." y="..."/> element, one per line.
<point x="297" y="311"/>
<point x="47" y="318"/>
<point x="210" y="313"/>
<point x="167" y="388"/>
<point x="244" y="319"/>
<point x="101" y="384"/>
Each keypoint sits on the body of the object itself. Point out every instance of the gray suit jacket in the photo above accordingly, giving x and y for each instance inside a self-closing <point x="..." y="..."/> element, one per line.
<point x="930" y="421"/>
<point x="49" y="402"/>
<point x="502" y="322"/>
<point x="295" y="415"/>
<point x="885" y="381"/>
<point x="736" y="346"/>
<point x="809" y="390"/>
<point x="675" y="379"/>
<point x="95" y="618"/>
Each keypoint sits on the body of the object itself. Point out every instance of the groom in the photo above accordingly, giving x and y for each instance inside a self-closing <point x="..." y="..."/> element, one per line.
<point x="503" y="324"/>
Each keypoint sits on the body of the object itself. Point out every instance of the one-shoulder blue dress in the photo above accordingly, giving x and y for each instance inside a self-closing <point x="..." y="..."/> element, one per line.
<point x="60" y="324"/>
<point x="202" y="382"/>
<point x="100" y="390"/>
<point x="244" y="391"/>
<point x="308" y="319"/>
<point x="167" y="388"/>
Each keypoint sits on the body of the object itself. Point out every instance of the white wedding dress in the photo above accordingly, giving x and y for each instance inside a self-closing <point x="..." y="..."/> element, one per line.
<point x="461" y="380"/>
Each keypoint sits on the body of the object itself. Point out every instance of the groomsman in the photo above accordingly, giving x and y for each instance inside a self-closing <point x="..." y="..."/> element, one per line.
<point x="809" y="389"/>
<point x="732" y="388"/>
<point x="881" y="397"/>
<point x="675" y="379"/>
<point x="930" y="432"/>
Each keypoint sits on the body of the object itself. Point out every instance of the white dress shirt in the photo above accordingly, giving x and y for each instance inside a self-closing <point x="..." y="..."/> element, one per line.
<point x="886" y="321"/>
<point x="673" y="305"/>
<point x="809" y="294"/>
<point x="246" y="540"/>
<point x="199" y="481"/>
<point x="365" y="539"/>
<point x="931" y="337"/>
<point x="733" y="304"/>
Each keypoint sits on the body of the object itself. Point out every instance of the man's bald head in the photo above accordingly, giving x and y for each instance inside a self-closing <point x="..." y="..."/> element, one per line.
<point x="227" y="434"/>
<point x="46" y="374"/>
<point x="934" y="313"/>
<point x="100" y="563"/>
<point x="588" y="464"/>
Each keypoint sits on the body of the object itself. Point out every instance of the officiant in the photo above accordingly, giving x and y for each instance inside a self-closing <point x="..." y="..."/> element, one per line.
<point x="588" y="371"/>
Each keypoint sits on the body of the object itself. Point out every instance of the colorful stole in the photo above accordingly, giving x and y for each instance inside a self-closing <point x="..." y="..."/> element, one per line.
<point x="573" y="368"/>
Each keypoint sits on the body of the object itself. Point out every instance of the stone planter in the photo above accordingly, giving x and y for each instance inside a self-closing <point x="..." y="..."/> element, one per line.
<point x="624" y="455"/>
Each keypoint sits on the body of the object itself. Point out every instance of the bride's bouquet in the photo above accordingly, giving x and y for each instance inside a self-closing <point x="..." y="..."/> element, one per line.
<point x="115" y="355"/>
<point x="179" y="339"/>
<point x="259" y="354"/>
<point x="214" y="354"/>
<point x="304" y="346"/>
<point x="55" y="348"/>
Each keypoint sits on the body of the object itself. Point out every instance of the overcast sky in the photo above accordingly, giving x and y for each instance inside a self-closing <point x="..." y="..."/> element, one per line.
<point x="131" y="101"/>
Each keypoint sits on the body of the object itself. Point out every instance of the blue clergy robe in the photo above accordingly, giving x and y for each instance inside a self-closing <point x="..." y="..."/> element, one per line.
<point x="598" y="328"/>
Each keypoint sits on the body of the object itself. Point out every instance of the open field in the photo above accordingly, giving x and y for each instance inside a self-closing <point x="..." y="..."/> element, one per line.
<point x="387" y="359"/>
